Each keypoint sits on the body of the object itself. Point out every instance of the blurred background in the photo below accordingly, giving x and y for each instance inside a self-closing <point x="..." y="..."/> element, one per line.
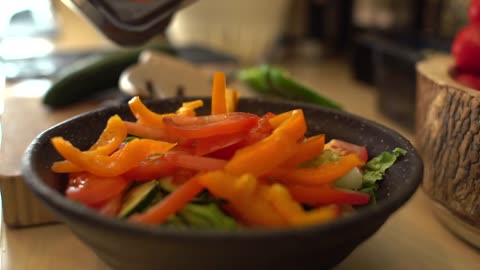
<point x="379" y="40"/>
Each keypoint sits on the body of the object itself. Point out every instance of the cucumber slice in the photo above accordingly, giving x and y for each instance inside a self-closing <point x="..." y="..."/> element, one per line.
<point x="166" y="184"/>
<point x="138" y="198"/>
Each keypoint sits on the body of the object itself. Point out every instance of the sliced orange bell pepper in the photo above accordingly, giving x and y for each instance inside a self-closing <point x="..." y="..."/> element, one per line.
<point x="293" y="212"/>
<point x="243" y="195"/>
<point x="116" y="164"/>
<point x="111" y="138"/>
<point x="232" y="96"/>
<point x="306" y="150"/>
<point x="323" y="174"/>
<point x="277" y="120"/>
<point x="295" y="125"/>
<point x="274" y="149"/>
<point x="188" y="108"/>
<point x="169" y="205"/>
<point x="261" y="157"/>
<point x="219" y="104"/>
<point x="144" y="115"/>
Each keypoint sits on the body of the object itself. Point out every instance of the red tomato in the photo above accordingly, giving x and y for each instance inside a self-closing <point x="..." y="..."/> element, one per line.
<point x="151" y="169"/>
<point x="339" y="145"/>
<point x="466" y="50"/>
<point x="187" y="161"/>
<point x="474" y="12"/>
<point x="470" y="80"/>
<point x="191" y="127"/>
<point x="92" y="190"/>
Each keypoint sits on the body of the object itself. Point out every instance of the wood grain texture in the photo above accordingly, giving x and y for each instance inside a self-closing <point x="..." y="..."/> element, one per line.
<point x="23" y="119"/>
<point x="448" y="138"/>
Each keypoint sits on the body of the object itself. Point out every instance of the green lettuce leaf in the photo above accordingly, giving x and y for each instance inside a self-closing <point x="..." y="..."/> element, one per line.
<point x="375" y="169"/>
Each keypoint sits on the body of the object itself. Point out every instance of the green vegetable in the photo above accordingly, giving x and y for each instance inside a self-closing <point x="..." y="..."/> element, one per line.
<point x="375" y="170"/>
<point x="268" y="80"/>
<point x="206" y="216"/>
<point x="92" y="75"/>
<point x="326" y="156"/>
<point x="138" y="198"/>
<point x="166" y="184"/>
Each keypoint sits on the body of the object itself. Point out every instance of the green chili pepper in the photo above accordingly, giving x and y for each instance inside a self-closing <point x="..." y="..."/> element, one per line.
<point x="268" y="80"/>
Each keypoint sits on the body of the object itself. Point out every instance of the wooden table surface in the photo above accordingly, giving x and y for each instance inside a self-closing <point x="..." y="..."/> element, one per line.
<point x="411" y="239"/>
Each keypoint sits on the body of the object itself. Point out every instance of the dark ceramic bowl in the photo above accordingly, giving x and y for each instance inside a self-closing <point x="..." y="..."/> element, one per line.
<point x="128" y="246"/>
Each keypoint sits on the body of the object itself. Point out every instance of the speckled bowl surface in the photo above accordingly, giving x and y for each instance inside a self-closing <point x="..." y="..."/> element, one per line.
<point x="129" y="246"/>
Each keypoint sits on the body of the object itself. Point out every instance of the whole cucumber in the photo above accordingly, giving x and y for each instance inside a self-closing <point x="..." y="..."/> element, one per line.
<point x="92" y="75"/>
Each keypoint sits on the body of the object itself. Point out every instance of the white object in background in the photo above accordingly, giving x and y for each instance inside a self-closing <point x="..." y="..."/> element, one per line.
<point x="164" y="75"/>
<point x="246" y="29"/>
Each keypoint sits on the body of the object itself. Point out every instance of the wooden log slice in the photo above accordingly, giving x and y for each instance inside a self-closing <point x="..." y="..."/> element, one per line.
<point x="448" y="138"/>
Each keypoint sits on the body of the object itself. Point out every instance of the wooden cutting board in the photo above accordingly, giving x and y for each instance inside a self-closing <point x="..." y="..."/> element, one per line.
<point x="23" y="119"/>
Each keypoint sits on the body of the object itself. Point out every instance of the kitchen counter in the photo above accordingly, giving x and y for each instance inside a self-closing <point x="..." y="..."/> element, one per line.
<point x="411" y="239"/>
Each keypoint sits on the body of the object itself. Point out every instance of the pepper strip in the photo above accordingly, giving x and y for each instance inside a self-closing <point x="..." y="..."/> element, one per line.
<point x="111" y="138"/>
<point x="323" y="174"/>
<point x="144" y="115"/>
<point x="276" y="148"/>
<point x="306" y="150"/>
<point x="188" y="108"/>
<point x="169" y="205"/>
<point x="116" y="164"/>
<point x="232" y="96"/>
<point x="243" y="195"/>
<point x="273" y="150"/>
<point x="219" y="104"/>
<point x="293" y="212"/>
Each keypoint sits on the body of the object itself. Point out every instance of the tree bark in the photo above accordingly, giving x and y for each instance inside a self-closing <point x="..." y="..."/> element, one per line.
<point x="448" y="138"/>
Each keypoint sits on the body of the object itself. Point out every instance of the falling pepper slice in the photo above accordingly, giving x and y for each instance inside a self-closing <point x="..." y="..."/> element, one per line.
<point x="111" y="138"/>
<point x="116" y="164"/>
<point x="219" y="104"/>
<point x="188" y="108"/>
<point x="144" y="115"/>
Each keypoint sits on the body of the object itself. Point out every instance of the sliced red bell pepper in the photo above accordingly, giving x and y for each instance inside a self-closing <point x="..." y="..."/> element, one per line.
<point x="151" y="168"/>
<point x="256" y="134"/>
<point x="148" y="132"/>
<point x="198" y="163"/>
<point x="188" y="127"/>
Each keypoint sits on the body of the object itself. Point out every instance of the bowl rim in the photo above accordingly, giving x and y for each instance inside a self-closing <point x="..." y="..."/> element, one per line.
<point x="57" y="201"/>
